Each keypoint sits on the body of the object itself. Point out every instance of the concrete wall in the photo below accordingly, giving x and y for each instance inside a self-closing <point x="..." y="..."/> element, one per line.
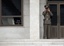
<point x="19" y="32"/>
<point x="34" y="19"/>
<point x="19" y="36"/>
<point x="42" y="3"/>
<point x="44" y="42"/>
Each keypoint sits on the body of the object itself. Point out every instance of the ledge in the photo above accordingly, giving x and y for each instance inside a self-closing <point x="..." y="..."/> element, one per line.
<point x="31" y="42"/>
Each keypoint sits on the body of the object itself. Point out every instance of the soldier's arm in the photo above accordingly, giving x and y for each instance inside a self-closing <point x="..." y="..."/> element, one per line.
<point x="51" y="13"/>
<point x="44" y="13"/>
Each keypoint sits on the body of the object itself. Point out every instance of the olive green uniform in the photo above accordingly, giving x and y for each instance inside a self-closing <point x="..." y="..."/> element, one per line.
<point x="47" y="24"/>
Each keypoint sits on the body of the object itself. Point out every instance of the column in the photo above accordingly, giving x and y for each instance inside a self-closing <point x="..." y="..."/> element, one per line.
<point x="34" y="19"/>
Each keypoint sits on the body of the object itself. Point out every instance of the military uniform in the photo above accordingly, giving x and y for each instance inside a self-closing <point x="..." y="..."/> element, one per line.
<point x="47" y="24"/>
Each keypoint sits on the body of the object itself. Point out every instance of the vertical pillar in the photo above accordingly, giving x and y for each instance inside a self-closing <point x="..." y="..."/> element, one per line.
<point x="34" y="19"/>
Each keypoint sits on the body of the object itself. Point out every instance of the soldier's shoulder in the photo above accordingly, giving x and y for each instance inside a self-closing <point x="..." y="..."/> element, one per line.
<point x="44" y="11"/>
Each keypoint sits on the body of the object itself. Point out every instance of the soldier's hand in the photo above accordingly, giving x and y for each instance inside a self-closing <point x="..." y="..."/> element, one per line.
<point x="48" y="10"/>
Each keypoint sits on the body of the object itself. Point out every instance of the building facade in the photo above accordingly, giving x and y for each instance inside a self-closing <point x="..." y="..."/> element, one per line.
<point x="31" y="33"/>
<point x="18" y="32"/>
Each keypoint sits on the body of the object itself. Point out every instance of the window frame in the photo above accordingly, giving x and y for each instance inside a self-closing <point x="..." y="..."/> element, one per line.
<point x="21" y="16"/>
<point x="58" y="27"/>
<point x="54" y="0"/>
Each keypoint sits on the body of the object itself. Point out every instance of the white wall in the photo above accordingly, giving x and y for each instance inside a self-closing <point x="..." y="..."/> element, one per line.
<point x="19" y="32"/>
<point x="23" y="32"/>
<point x="34" y="19"/>
<point x="42" y="3"/>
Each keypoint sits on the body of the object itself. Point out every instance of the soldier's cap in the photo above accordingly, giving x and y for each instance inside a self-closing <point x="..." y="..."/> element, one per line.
<point x="46" y="6"/>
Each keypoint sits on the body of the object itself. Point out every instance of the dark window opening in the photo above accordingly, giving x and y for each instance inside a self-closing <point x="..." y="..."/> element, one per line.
<point x="55" y="0"/>
<point x="54" y="11"/>
<point x="11" y="12"/>
<point x="11" y="7"/>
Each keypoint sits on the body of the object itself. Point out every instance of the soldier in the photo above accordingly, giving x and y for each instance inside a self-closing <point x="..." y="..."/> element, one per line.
<point x="47" y="21"/>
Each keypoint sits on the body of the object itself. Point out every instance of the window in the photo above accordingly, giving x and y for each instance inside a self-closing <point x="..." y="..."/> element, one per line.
<point x="55" y="0"/>
<point x="11" y="13"/>
<point x="54" y="11"/>
<point x="57" y="21"/>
